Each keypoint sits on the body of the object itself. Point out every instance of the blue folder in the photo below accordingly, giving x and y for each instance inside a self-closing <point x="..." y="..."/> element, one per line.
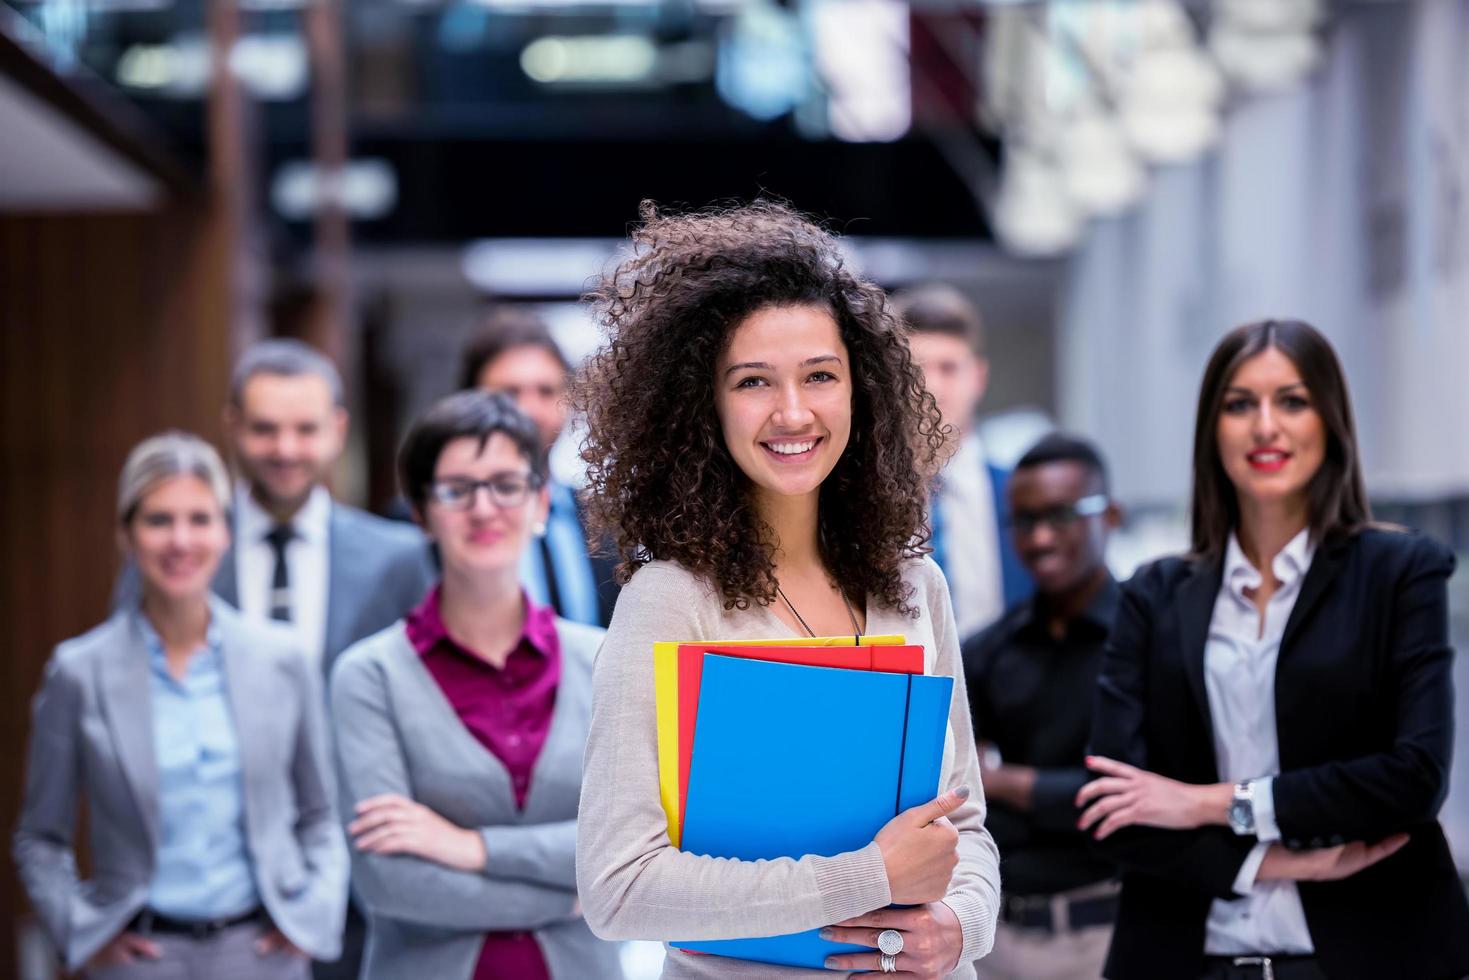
<point x="791" y="760"/>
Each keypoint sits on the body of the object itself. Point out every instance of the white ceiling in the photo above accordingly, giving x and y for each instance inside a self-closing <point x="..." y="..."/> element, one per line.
<point x="48" y="163"/>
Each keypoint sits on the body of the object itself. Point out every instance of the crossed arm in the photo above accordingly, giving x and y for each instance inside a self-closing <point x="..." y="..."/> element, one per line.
<point x="410" y="863"/>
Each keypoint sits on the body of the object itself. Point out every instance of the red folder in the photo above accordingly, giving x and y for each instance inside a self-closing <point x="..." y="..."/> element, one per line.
<point x="883" y="659"/>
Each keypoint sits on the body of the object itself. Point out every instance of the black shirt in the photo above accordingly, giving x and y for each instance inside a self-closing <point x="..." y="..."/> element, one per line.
<point x="1033" y="696"/>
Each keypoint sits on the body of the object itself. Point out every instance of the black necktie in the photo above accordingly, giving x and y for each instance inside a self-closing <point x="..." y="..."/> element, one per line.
<point x="280" y="581"/>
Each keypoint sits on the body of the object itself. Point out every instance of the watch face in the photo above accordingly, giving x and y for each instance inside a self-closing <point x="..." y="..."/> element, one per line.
<point x="1241" y="817"/>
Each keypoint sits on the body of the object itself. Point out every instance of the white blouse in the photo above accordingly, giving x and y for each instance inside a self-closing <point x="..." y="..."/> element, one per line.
<point x="1239" y="676"/>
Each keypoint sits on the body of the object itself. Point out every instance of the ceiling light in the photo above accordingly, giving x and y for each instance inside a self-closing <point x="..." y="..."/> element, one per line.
<point x="585" y="60"/>
<point x="1098" y="169"/>
<point x="1265" y="62"/>
<point x="1032" y="215"/>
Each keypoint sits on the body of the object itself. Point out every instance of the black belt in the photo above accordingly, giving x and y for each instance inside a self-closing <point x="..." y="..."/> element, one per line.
<point x="1034" y="911"/>
<point x="148" y="921"/>
<point x="1274" y="966"/>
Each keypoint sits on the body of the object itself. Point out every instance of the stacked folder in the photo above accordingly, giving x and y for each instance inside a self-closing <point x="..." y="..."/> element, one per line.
<point x="783" y="748"/>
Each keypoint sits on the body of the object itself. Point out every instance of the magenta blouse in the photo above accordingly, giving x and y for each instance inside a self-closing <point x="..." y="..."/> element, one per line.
<point x="508" y="710"/>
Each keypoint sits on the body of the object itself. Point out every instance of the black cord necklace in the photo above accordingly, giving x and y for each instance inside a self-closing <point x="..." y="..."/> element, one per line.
<point x="856" y="630"/>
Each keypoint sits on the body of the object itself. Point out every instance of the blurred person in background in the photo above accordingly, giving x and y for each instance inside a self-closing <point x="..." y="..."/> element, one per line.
<point x="968" y="511"/>
<point x="1032" y="679"/>
<point x="1275" y="716"/>
<point x="333" y="573"/>
<point x="461" y="775"/>
<point x="514" y="353"/>
<point x="194" y="735"/>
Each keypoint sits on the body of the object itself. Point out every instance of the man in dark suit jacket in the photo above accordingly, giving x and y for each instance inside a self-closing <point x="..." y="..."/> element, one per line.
<point x="514" y="352"/>
<point x="970" y="508"/>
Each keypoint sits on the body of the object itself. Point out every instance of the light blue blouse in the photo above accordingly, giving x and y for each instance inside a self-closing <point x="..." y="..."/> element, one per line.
<point x="203" y="868"/>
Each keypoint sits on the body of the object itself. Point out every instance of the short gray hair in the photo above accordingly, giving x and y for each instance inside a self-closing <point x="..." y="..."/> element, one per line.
<point x="159" y="457"/>
<point x="288" y="358"/>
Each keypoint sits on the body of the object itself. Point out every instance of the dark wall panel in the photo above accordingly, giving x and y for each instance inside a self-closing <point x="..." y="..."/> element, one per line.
<point x="111" y="328"/>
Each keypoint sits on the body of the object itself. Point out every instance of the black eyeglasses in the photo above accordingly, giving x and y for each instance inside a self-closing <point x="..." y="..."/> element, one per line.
<point x="1026" y="521"/>
<point x="506" y="490"/>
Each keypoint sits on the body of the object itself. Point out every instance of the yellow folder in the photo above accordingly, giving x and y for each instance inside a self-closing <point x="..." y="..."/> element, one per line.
<point x="665" y="694"/>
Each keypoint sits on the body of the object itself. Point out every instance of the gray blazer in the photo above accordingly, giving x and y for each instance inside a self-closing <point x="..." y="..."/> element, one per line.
<point x="399" y="734"/>
<point x="92" y="737"/>
<point x="377" y="570"/>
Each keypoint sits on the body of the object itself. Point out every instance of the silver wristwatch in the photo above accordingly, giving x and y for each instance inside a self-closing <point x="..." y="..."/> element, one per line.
<point x="1241" y="812"/>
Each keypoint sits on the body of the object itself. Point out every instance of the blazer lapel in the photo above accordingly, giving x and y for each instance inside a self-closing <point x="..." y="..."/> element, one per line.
<point x="250" y="698"/>
<point x="1319" y="577"/>
<point x="225" y="584"/>
<point x="1195" y="608"/>
<point x="127" y="704"/>
<point x="342" y="585"/>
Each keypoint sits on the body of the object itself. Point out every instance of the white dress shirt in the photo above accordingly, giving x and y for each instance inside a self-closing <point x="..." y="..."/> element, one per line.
<point x="971" y="538"/>
<point x="308" y="565"/>
<point x="1239" y="676"/>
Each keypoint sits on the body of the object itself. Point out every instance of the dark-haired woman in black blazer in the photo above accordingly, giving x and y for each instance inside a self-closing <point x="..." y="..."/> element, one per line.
<point x="1275" y="715"/>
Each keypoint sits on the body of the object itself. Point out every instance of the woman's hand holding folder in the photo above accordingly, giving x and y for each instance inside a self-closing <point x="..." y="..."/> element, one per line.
<point x="920" y="849"/>
<point x="933" y="940"/>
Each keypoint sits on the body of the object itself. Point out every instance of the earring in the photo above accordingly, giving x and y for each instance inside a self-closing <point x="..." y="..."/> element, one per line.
<point x="538" y="529"/>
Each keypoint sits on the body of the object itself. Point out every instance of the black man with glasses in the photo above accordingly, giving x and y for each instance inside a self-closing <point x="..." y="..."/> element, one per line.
<point x="1032" y="679"/>
<point x="461" y="728"/>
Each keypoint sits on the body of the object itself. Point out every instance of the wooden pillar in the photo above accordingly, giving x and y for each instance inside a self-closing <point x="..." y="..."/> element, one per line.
<point x="112" y="328"/>
<point x="327" y="316"/>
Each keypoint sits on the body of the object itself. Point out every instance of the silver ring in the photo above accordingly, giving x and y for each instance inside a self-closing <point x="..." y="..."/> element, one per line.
<point x="888" y="962"/>
<point x="890" y="941"/>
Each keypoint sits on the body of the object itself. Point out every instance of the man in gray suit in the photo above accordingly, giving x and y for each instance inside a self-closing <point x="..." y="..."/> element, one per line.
<point x="331" y="572"/>
<point x="334" y="573"/>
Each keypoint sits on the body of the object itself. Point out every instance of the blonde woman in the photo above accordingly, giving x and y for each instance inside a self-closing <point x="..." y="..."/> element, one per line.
<point x="195" y="738"/>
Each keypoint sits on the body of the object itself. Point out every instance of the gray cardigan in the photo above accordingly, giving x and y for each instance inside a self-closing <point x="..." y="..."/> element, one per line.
<point x="92" y="738"/>
<point x="397" y="733"/>
<point x="636" y="885"/>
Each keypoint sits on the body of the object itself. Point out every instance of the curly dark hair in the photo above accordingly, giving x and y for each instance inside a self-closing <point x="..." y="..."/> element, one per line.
<point x="663" y="483"/>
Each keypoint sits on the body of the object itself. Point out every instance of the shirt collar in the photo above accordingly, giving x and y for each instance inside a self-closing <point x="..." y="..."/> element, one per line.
<point x="970" y="453"/>
<point x="311" y="522"/>
<point x="154" y="642"/>
<point x="426" y="628"/>
<point x="1098" y="614"/>
<point x="1289" y="566"/>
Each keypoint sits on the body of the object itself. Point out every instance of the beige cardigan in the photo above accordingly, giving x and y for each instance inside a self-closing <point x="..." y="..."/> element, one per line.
<point x="635" y="885"/>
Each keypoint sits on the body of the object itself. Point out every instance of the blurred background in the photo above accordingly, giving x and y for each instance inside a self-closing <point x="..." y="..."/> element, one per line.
<point x="1114" y="182"/>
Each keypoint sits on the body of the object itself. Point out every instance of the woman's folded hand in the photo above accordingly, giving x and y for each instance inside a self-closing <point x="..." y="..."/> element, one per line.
<point x="393" y="824"/>
<point x="1127" y="795"/>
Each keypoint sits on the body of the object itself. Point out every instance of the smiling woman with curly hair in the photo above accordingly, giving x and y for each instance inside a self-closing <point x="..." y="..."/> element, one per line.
<point x="759" y="449"/>
<point x="663" y="480"/>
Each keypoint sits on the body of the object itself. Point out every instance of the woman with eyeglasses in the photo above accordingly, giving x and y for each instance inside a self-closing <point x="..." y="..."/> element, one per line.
<point x="1275" y="712"/>
<point x="460" y="729"/>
